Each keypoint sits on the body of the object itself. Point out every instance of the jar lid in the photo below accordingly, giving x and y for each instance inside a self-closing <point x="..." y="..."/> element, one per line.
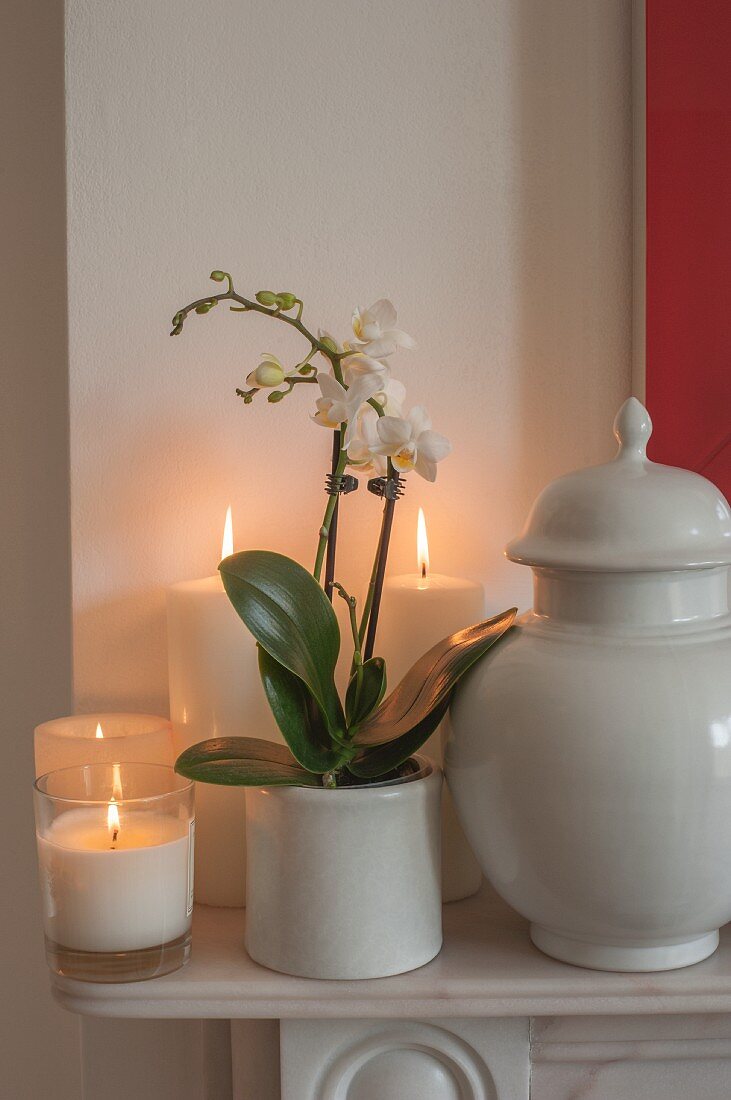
<point x="628" y="514"/>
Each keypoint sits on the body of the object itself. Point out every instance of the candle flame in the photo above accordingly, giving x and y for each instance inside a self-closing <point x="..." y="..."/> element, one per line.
<point x="99" y="733"/>
<point x="113" y="814"/>
<point x="227" y="546"/>
<point x="113" y="819"/>
<point x="422" y="547"/>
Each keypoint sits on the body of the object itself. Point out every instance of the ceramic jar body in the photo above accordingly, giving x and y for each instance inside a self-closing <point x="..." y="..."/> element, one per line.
<point x="590" y="763"/>
<point x="345" y="883"/>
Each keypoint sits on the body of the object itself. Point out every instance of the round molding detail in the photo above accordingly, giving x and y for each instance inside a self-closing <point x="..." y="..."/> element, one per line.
<point x="408" y="1062"/>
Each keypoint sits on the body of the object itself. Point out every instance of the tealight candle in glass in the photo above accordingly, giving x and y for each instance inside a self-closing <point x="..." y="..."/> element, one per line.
<point x="115" y="854"/>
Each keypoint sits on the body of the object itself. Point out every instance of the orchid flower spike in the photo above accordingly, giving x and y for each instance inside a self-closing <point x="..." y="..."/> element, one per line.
<point x="411" y="444"/>
<point x="375" y="330"/>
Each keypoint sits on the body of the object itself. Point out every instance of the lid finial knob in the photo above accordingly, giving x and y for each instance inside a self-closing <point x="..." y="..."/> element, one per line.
<point x="632" y="428"/>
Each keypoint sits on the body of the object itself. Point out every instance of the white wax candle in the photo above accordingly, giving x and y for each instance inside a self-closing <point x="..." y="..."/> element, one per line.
<point x="127" y="896"/>
<point x="215" y="691"/>
<point x="103" y="739"/>
<point x="417" y="611"/>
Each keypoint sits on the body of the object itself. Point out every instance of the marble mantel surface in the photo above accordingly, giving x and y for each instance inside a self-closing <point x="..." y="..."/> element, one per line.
<point x="487" y="968"/>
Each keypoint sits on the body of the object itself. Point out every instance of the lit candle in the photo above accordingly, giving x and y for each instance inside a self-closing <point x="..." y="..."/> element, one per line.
<point x="116" y="873"/>
<point x="103" y="738"/>
<point x="215" y="691"/>
<point x="417" y="611"/>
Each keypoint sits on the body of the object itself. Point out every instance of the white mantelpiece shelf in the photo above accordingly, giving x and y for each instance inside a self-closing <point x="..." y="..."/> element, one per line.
<point x="487" y="968"/>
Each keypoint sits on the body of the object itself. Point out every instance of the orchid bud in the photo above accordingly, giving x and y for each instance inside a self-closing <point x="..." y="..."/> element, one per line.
<point x="266" y="298"/>
<point x="329" y="343"/>
<point x="276" y="396"/>
<point x="204" y="308"/>
<point x="268" y="374"/>
<point x="285" y="300"/>
<point x="218" y="276"/>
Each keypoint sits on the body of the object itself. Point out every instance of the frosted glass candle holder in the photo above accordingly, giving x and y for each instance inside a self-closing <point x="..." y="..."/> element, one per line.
<point x="103" y="738"/>
<point x="115" y="855"/>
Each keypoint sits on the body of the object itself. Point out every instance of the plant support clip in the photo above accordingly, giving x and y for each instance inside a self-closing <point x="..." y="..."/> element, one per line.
<point x="336" y="484"/>
<point x="391" y="488"/>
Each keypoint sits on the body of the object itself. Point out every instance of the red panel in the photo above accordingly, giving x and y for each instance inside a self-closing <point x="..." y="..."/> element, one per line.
<point x="689" y="234"/>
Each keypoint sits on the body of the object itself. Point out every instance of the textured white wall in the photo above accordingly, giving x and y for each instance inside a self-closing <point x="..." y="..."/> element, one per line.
<point x="472" y="160"/>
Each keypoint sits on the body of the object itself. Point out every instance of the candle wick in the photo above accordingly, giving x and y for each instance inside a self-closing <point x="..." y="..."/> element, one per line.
<point x="423" y="570"/>
<point x="115" y="834"/>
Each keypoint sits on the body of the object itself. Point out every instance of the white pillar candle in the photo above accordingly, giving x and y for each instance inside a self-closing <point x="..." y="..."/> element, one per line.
<point x="417" y="611"/>
<point x="215" y="691"/>
<point x="103" y="739"/>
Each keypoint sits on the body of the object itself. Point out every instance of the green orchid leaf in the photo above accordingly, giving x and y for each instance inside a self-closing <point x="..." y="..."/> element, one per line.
<point x="243" y="762"/>
<point x="372" y="691"/>
<point x="298" y="716"/>
<point x="430" y="681"/>
<point x="291" y="618"/>
<point x="385" y="758"/>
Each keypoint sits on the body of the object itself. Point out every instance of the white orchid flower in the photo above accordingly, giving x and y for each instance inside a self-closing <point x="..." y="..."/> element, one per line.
<point x="360" y="366"/>
<point x="339" y="404"/>
<point x="375" y="330"/>
<point x="391" y="397"/>
<point x="411" y="444"/>
<point x="360" y="451"/>
<point x="268" y="374"/>
<point x="390" y="393"/>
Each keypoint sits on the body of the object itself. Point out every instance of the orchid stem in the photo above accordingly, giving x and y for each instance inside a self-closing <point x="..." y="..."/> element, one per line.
<point x="247" y="306"/>
<point x="327" y="519"/>
<point x="369" y="595"/>
<point x="332" y="534"/>
<point x="380" y="572"/>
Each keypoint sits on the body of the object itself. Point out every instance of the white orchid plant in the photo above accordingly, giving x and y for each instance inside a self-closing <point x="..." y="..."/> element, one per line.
<point x="358" y="393"/>
<point x="363" y="738"/>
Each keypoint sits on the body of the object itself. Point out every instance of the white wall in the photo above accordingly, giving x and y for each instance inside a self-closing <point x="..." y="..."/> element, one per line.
<point x="39" y="1043"/>
<point x="472" y="160"/>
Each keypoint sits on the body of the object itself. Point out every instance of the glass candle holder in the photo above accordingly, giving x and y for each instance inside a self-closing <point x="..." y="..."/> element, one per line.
<point x="115" y="854"/>
<point x="103" y="738"/>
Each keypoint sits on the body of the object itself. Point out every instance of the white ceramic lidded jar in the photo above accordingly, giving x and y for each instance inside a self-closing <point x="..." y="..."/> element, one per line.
<point x="590" y="755"/>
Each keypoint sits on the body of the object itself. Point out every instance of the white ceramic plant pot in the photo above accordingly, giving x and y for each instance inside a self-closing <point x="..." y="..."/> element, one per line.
<point x="345" y="883"/>
<point x="590" y="758"/>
